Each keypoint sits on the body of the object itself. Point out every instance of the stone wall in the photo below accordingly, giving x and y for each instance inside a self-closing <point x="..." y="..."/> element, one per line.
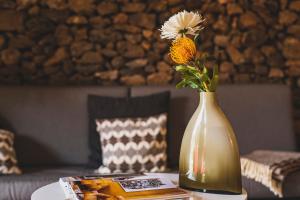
<point x="116" y="42"/>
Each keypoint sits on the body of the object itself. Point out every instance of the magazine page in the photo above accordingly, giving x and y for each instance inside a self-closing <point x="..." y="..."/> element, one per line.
<point x="124" y="187"/>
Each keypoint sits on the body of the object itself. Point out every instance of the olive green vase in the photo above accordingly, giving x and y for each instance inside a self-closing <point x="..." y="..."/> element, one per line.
<point x="209" y="155"/>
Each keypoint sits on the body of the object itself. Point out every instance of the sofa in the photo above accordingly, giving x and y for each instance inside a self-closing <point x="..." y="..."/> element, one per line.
<point x="51" y="127"/>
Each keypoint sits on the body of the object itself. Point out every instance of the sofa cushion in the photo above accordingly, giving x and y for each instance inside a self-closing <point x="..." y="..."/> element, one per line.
<point x="20" y="187"/>
<point x="8" y="159"/>
<point x="133" y="145"/>
<point x="105" y="107"/>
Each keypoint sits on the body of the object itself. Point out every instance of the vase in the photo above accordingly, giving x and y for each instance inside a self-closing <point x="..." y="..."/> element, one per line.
<point x="209" y="155"/>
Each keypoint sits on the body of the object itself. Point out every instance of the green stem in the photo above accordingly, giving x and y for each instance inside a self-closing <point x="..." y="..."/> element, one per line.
<point x="205" y="86"/>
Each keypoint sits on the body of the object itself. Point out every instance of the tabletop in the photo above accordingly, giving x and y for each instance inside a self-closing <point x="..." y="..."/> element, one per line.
<point x="54" y="191"/>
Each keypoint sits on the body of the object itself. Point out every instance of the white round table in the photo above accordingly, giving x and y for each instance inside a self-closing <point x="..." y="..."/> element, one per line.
<point x="54" y="191"/>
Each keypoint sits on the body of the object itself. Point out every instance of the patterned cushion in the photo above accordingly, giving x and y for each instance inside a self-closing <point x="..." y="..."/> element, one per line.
<point x="8" y="161"/>
<point x="132" y="145"/>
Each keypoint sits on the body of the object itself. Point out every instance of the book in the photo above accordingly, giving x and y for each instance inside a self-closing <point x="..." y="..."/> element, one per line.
<point x="122" y="187"/>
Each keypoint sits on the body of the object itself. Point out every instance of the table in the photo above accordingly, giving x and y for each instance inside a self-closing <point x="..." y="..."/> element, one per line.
<point x="54" y="191"/>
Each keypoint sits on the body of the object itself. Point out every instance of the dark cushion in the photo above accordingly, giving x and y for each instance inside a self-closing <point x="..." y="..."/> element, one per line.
<point x="100" y="107"/>
<point x="20" y="187"/>
<point x="50" y="123"/>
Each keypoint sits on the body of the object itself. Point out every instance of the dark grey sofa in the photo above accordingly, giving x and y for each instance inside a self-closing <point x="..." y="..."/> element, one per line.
<point x="51" y="127"/>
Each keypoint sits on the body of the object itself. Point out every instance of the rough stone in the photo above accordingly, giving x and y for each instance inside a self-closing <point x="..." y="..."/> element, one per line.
<point x="224" y="1"/>
<point x="164" y="67"/>
<point x="242" y="78"/>
<point x="294" y="30"/>
<point x="249" y="39"/>
<point x="35" y="10"/>
<point x="248" y="20"/>
<point x="78" y="48"/>
<point x="233" y="9"/>
<point x="133" y="7"/>
<point x="144" y="20"/>
<point x="28" y="67"/>
<point x="173" y="2"/>
<point x="58" y="57"/>
<point x="109" y="53"/>
<point x="133" y="80"/>
<point x="63" y="35"/>
<point x="254" y="37"/>
<point x="293" y="63"/>
<point x="77" y="20"/>
<point x="51" y="69"/>
<point x="120" y="18"/>
<point x="87" y="69"/>
<point x="56" y="16"/>
<point x="287" y="17"/>
<point x="150" y="69"/>
<point x="10" y="20"/>
<point x="265" y="14"/>
<point x="137" y="63"/>
<point x="133" y="38"/>
<point x="91" y="57"/>
<point x="158" y="6"/>
<point x="235" y="55"/>
<point x="127" y="28"/>
<point x="39" y="26"/>
<point x="147" y="34"/>
<point x="295" y="5"/>
<point x="20" y="42"/>
<point x="221" y="40"/>
<point x="160" y="78"/>
<point x="253" y="55"/>
<point x="81" y="34"/>
<point x="261" y="69"/>
<point x="8" y="4"/>
<point x="80" y="6"/>
<point x="146" y="45"/>
<point x="226" y="67"/>
<point x="118" y="62"/>
<point x="2" y="41"/>
<point x="10" y="56"/>
<point x="221" y="24"/>
<point x="107" y="8"/>
<point x="268" y="50"/>
<point x="99" y="22"/>
<point x="276" y="73"/>
<point x="294" y="71"/>
<point x="96" y="35"/>
<point x="110" y="75"/>
<point x="134" y="51"/>
<point x="291" y="48"/>
<point x="57" y="4"/>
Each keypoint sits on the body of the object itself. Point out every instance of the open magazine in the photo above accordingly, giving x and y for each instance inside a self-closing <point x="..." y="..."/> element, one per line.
<point x="120" y="188"/>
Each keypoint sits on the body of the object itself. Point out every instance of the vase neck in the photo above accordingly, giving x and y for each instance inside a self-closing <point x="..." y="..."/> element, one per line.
<point x="208" y="99"/>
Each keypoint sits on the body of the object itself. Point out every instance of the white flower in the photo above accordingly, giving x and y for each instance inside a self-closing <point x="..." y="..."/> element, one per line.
<point x="188" y="23"/>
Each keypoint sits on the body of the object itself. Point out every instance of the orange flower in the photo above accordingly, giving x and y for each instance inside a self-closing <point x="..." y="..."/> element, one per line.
<point x="182" y="50"/>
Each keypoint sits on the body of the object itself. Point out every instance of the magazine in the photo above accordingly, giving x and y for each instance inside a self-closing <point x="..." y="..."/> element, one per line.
<point x="139" y="187"/>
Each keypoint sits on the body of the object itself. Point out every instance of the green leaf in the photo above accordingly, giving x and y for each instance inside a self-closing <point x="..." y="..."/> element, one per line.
<point x="183" y="68"/>
<point x="196" y="38"/>
<point x="181" y="84"/>
<point x="180" y="68"/>
<point x="215" y="79"/>
<point x="192" y="84"/>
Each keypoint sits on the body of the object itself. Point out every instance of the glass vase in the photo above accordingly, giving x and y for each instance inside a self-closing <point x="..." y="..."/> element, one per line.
<point x="209" y="155"/>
